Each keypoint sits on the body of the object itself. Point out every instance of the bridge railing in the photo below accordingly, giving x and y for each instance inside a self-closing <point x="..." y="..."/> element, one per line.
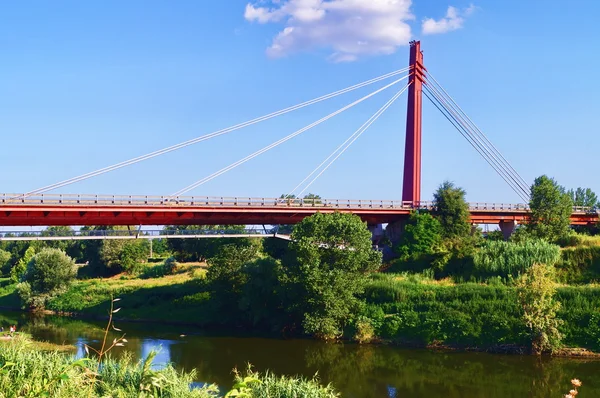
<point x="208" y="201"/>
<point x="134" y="233"/>
<point x="211" y="201"/>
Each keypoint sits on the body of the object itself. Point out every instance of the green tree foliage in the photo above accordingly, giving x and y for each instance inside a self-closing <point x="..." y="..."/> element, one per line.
<point x="494" y="236"/>
<point x="48" y="273"/>
<point x="551" y="209"/>
<point x="226" y="278"/>
<point x="203" y="248"/>
<point x="422" y="236"/>
<point x="312" y="198"/>
<point x="17" y="272"/>
<point x="17" y="249"/>
<point x="5" y="265"/>
<point x="70" y="247"/>
<point x="584" y="197"/>
<point x="262" y="294"/>
<point x="452" y="211"/>
<point x="333" y="258"/>
<point x="536" y="296"/>
<point x="120" y="255"/>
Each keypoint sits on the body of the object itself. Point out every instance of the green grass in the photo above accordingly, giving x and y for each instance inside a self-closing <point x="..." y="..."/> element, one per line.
<point x="171" y="298"/>
<point x="272" y="386"/>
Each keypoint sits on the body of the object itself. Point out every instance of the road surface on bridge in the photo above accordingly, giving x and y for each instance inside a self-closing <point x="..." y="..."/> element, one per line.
<point x="56" y="210"/>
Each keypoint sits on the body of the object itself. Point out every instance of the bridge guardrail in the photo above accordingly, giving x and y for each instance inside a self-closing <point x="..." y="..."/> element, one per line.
<point x="208" y="201"/>
<point x="133" y="233"/>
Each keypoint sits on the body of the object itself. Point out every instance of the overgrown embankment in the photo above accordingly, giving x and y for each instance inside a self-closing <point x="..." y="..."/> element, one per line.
<point x="411" y="309"/>
<point x="473" y="315"/>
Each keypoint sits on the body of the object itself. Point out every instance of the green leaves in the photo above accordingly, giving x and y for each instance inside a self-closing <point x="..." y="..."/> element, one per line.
<point x="333" y="255"/>
<point x="49" y="272"/>
<point x="536" y="295"/>
<point x="551" y="209"/>
<point x="452" y="211"/>
<point x="422" y="236"/>
<point x="584" y="197"/>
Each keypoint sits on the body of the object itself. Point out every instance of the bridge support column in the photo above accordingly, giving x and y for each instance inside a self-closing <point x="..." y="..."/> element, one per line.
<point x="411" y="186"/>
<point x="377" y="232"/>
<point x="507" y="228"/>
<point x="395" y="230"/>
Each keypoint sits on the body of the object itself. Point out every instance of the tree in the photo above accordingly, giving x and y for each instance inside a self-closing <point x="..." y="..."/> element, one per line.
<point x="551" y="209"/>
<point x="333" y="255"/>
<point x="48" y="273"/>
<point x="121" y="255"/>
<point x="422" y="235"/>
<point x="203" y="248"/>
<point x="312" y="198"/>
<point x="452" y="211"/>
<point x="536" y="296"/>
<point x="5" y="261"/>
<point x="584" y="197"/>
<point x="226" y="278"/>
<point x="17" y="272"/>
<point x="261" y="296"/>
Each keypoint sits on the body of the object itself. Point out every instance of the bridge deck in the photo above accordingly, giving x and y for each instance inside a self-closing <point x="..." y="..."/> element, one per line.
<point x="43" y="210"/>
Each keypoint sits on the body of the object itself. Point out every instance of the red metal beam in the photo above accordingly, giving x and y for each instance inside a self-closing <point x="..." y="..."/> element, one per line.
<point x="411" y="186"/>
<point x="173" y="215"/>
<point x="42" y="215"/>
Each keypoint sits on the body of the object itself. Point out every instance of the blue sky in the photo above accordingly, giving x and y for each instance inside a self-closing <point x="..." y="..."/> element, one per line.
<point x="89" y="84"/>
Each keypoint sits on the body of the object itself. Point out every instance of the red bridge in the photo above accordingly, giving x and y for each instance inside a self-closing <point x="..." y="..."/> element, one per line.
<point x="37" y="208"/>
<point x="50" y="209"/>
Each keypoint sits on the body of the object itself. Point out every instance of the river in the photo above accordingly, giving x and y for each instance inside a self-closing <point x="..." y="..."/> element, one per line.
<point x="357" y="371"/>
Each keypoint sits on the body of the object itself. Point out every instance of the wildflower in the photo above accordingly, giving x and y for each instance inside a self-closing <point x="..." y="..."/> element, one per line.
<point x="576" y="382"/>
<point x="569" y="396"/>
<point x="573" y="392"/>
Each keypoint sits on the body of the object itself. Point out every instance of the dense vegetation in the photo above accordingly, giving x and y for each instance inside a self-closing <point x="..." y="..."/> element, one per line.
<point x="448" y="285"/>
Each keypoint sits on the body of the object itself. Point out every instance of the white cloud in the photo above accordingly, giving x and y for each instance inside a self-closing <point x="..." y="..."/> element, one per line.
<point x="453" y="20"/>
<point x="347" y="28"/>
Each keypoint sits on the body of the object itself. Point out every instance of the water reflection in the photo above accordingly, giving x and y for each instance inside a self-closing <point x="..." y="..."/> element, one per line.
<point x="357" y="371"/>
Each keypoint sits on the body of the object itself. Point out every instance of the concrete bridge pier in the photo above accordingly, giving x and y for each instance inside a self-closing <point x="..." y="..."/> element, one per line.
<point x="377" y="232"/>
<point x="507" y="227"/>
<point x="394" y="231"/>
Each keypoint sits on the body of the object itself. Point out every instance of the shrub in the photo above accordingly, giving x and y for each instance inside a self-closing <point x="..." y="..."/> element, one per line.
<point x="365" y="332"/>
<point x="421" y="237"/>
<point x="390" y="327"/>
<point x="506" y="259"/>
<point x="170" y="266"/>
<point x="579" y="265"/>
<point x="48" y="273"/>
<point x="536" y="295"/>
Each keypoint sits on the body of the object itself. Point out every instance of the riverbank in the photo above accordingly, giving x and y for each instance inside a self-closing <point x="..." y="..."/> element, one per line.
<point x="411" y="311"/>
